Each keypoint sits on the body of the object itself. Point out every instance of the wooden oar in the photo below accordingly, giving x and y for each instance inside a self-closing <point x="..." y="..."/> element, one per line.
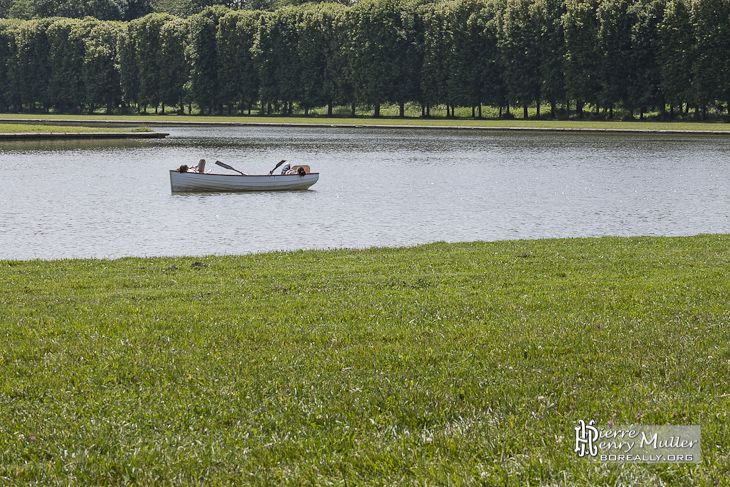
<point x="223" y="164"/>
<point x="275" y="167"/>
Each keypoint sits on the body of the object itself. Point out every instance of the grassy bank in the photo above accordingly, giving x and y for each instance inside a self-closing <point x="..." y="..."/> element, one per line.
<point x="14" y="128"/>
<point x="460" y="364"/>
<point x="380" y="121"/>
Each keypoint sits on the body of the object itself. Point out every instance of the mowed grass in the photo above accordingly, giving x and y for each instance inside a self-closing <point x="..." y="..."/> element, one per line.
<point x="443" y="364"/>
<point x="365" y="120"/>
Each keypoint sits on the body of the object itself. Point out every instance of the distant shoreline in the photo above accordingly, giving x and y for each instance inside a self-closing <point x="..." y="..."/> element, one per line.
<point x="14" y="130"/>
<point x="481" y="125"/>
<point x="80" y="135"/>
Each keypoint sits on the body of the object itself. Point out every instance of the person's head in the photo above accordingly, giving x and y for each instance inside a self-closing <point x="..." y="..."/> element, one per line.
<point x="301" y="171"/>
<point x="183" y="168"/>
<point x="202" y="161"/>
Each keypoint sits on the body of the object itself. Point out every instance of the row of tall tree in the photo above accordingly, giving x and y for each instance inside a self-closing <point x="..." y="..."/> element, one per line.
<point x="125" y="9"/>
<point x="633" y="54"/>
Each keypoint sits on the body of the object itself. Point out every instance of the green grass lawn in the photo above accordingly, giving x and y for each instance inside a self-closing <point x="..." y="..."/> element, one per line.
<point x="443" y="364"/>
<point x="386" y="120"/>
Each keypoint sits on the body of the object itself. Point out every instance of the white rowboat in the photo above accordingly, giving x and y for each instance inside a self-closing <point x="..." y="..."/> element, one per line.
<point x="181" y="182"/>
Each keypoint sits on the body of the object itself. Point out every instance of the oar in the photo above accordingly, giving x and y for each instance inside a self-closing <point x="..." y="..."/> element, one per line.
<point x="223" y="164"/>
<point x="275" y="167"/>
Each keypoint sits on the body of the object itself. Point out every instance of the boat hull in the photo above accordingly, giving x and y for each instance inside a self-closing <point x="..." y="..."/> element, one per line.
<point x="186" y="182"/>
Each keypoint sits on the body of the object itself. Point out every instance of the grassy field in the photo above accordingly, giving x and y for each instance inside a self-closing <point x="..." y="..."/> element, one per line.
<point x="444" y="364"/>
<point x="385" y="120"/>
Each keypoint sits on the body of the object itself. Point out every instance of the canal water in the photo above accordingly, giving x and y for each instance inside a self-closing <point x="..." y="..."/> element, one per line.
<point x="377" y="187"/>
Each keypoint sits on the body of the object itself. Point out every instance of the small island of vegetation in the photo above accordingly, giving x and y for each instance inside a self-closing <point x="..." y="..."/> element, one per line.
<point x="35" y="131"/>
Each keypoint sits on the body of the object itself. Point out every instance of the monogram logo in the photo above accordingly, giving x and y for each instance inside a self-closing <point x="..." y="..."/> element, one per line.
<point x="585" y="437"/>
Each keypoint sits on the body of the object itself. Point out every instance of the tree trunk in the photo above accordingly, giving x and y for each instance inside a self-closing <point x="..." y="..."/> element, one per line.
<point x="524" y="111"/>
<point x="377" y="110"/>
<point x="402" y="109"/>
<point x="354" y="106"/>
<point x="329" y="109"/>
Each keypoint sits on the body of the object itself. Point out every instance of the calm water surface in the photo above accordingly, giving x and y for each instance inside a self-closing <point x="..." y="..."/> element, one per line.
<point x="378" y="187"/>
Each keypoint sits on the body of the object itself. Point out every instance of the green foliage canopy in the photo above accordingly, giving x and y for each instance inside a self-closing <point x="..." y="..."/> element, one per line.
<point x="630" y="54"/>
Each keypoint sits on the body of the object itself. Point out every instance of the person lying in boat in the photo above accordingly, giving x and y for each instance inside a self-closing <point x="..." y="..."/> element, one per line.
<point x="198" y="168"/>
<point x="295" y="170"/>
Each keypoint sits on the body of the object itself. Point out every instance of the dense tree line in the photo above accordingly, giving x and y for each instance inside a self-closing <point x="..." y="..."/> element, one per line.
<point x="128" y="9"/>
<point x="636" y="55"/>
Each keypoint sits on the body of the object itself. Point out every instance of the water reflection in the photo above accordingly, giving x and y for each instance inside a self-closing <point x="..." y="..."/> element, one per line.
<point x="377" y="187"/>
